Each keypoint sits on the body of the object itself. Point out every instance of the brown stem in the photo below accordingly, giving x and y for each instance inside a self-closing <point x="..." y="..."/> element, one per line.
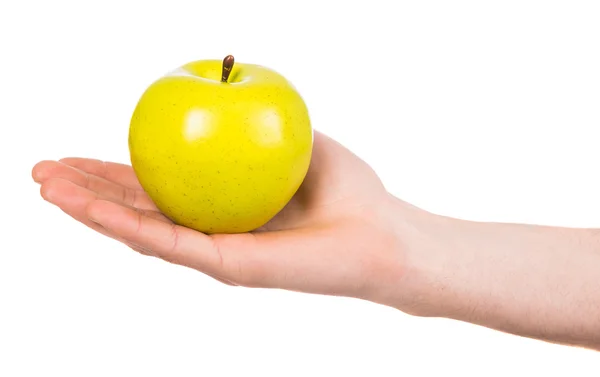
<point x="227" y="66"/>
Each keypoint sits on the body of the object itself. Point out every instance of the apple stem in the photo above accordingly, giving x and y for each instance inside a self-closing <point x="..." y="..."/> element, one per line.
<point x="227" y="66"/>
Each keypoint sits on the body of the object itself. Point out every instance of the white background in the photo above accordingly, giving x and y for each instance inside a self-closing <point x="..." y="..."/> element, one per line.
<point x="473" y="109"/>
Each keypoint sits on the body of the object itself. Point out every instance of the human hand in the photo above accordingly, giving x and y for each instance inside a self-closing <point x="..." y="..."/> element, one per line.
<point x="337" y="235"/>
<point x="343" y="234"/>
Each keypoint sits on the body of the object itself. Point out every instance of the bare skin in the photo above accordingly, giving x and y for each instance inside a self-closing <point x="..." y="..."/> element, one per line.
<point x="344" y="234"/>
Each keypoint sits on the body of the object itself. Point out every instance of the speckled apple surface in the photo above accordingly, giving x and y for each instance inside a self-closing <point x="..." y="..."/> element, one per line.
<point x="221" y="157"/>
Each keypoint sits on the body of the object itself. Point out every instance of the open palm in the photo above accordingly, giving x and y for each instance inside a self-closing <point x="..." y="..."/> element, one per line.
<point x="333" y="237"/>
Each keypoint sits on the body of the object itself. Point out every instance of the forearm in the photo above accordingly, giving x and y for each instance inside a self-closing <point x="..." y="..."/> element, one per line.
<point x="533" y="281"/>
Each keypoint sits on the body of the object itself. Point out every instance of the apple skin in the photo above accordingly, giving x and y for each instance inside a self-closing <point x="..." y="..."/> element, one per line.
<point x="220" y="157"/>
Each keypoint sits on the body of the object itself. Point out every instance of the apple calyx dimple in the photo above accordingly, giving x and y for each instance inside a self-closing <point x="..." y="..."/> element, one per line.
<point x="227" y="66"/>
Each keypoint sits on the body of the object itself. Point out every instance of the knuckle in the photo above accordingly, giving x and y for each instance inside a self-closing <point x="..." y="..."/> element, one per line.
<point x="173" y="253"/>
<point x="234" y="264"/>
<point x="248" y="272"/>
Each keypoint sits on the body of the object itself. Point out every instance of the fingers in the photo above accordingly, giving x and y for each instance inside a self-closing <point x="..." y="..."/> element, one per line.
<point x="104" y="188"/>
<point x="74" y="199"/>
<point x="71" y="199"/>
<point x="111" y="171"/>
<point x="170" y="242"/>
<point x="295" y="260"/>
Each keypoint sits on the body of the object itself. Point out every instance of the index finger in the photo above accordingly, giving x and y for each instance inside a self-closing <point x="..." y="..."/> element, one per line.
<point x="111" y="171"/>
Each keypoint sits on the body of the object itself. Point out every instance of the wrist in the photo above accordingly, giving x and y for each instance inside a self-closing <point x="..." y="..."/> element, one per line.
<point x="443" y="270"/>
<point x="420" y="285"/>
<point x="529" y="280"/>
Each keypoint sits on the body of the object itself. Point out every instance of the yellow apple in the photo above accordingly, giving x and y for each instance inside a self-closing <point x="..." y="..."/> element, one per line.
<point x="221" y="147"/>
